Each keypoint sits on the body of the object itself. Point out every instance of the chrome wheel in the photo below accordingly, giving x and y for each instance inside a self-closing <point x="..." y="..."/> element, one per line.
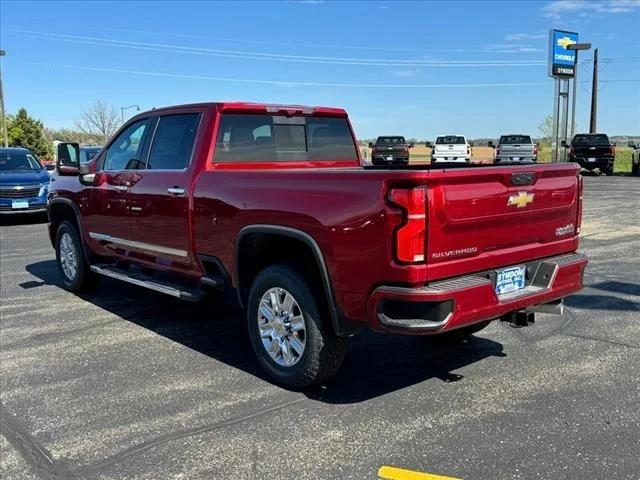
<point x="68" y="256"/>
<point x="281" y="326"/>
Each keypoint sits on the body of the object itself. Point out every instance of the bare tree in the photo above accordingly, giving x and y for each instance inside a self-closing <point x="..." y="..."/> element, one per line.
<point x="99" y="120"/>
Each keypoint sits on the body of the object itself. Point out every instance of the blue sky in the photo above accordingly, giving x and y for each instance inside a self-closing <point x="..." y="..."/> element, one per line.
<point x="411" y="68"/>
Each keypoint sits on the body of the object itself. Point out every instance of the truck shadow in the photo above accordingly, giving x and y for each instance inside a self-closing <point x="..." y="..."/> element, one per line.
<point x="375" y="364"/>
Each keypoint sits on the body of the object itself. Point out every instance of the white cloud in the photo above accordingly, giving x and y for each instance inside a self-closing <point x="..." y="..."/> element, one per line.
<point x="524" y="36"/>
<point x="511" y="47"/>
<point x="556" y="8"/>
<point x="405" y="73"/>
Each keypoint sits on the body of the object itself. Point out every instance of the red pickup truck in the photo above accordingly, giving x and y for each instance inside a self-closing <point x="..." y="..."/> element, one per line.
<point x="273" y="202"/>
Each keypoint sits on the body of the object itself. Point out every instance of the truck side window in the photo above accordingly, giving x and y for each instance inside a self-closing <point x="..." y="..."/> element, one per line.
<point x="125" y="152"/>
<point x="173" y="142"/>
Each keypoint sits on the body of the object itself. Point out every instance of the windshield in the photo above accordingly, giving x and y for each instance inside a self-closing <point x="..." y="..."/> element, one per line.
<point x="18" y="162"/>
<point x="515" y="139"/>
<point x="390" y="140"/>
<point x="450" y="139"/>
<point x="598" y="139"/>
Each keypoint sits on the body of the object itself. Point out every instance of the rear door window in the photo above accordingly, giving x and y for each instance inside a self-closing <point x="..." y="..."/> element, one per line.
<point x="173" y="142"/>
<point x="275" y="138"/>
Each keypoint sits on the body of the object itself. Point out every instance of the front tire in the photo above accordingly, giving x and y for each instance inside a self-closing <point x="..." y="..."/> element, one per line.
<point x="293" y="340"/>
<point x="72" y="264"/>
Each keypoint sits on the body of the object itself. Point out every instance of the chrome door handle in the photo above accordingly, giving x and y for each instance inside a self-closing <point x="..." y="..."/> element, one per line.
<point x="121" y="188"/>
<point x="175" y="191"/>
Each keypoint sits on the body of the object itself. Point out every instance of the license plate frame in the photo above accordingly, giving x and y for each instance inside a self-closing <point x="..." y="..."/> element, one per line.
<point x="515" y="159"/>
<point x="19" y="204"/>
<point x="510" y="279"/>
<point x="591" y="159"/>
<point x="389" y="158"/>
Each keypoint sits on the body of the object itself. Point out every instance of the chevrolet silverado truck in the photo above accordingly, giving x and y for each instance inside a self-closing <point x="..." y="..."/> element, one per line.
<point x="450" y="148"/>
<point x="593" y="150"/>
<point x="272" y="202"/>
<point x="515" y="148"/>
<point x="390" y="150"/>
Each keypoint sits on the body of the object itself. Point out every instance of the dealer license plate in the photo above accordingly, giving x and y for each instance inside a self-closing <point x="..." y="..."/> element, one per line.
<point x="517" y="159"/>
<point x="591" y="159"/>
<point x="17" y="204"/>
<point x="510" y="279"/>
<point x="390" y="158"/>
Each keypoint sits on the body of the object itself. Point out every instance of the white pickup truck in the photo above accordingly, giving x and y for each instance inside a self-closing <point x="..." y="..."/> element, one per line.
<point x="450" y="148"/>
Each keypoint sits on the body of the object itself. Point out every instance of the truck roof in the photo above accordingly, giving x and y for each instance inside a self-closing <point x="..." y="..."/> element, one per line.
<point x="15" y="150"/>
<point x="251" y="107"/>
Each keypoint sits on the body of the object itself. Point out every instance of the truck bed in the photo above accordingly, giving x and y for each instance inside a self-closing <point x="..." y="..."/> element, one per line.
<point x="472" y="225"/>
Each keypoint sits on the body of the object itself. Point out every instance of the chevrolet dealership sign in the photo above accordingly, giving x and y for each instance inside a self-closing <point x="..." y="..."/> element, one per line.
<point x="562" y="62"/>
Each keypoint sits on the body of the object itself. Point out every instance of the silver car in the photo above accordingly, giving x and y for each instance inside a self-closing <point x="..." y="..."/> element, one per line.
<point x="515" y="148"/>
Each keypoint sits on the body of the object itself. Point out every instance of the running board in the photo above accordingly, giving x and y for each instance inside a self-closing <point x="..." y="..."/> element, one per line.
<point x="135" y="278"/>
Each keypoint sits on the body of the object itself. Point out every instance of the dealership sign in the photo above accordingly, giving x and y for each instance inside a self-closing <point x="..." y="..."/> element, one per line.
<point x="562" y="61"/>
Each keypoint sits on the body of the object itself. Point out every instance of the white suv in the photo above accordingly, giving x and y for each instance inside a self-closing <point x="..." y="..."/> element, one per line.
<point x="450" y="148"/>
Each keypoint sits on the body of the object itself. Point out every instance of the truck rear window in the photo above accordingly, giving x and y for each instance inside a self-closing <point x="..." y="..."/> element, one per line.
<point x="597" y="139"/>
<point x="515" y="139"/>
<point x="450" y="139"/>
<point x="390" y="141"/>
<point x="275" y="138"/>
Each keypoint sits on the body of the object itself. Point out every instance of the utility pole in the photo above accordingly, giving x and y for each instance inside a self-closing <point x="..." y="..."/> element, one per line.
<point x="594" y="93"/>
<point x="5" y="139"/>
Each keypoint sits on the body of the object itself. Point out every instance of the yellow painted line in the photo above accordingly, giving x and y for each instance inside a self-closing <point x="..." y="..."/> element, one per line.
<point x="395" y="473"/>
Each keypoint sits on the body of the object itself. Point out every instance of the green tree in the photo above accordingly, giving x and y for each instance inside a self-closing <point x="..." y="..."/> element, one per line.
<point x="25" y="131"/>
<point x="546" y="129"/>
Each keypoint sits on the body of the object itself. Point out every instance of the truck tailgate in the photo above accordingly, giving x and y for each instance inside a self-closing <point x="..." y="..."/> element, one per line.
<point x="485" y="218"/>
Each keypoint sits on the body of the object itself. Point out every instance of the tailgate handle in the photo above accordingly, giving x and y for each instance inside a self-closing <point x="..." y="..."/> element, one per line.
<point x="526" y="178"/>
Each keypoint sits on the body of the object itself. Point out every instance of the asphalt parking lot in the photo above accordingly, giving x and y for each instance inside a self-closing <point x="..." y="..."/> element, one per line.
<point x="127" y="383"/>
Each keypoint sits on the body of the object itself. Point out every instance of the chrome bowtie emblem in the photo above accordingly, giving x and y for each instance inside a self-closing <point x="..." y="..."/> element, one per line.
<point x="521" y="200"/>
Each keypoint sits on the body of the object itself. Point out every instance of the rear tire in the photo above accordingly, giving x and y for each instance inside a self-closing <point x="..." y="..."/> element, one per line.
<point x="635" y="168"/>
<point x="293" y="340"/>
<point x="72" y="264"/>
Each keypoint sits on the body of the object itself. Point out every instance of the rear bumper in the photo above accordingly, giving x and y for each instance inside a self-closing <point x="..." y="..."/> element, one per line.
<point x="462" y="301"/>
<point x="382" y="160"/>
<point x="597" y="163"/>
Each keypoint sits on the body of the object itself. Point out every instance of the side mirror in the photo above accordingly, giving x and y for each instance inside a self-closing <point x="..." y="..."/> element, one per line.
<point x="490" y="144"/>
<point x="68" y="159"/>
<point x="563" y="144"/>
<point x="370" y="145"/>
<point x="428" y="144"/>
<point x="411" y="145"/>
<point x="631" y="145"/>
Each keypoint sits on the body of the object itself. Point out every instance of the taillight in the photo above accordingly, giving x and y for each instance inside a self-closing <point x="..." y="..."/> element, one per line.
<point x="468" y="150"/>
<point x="535" y="150"/>
<point x="579" y="218"/>
<point x="498" y="150"/>
<point x="571" y="150"/>
<point x="612" y="150"/>
<point x="409" y="237"/>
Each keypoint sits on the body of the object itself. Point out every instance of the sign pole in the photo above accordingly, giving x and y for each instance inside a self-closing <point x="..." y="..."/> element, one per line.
<point x="565" y="116"/>
<point x="554" y="135"/>
<point x="573" y="100"/>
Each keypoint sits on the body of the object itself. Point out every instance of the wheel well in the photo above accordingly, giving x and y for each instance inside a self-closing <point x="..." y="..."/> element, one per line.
<point x="58" y="213"/>
<point x="258" y="250"/>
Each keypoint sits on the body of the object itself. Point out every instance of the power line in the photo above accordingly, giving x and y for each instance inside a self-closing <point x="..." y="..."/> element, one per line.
<point x="274" y="56"/>
<point x="299" y="83"/>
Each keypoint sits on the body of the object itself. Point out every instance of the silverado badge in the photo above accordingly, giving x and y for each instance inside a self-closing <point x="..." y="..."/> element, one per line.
<point x="521" y="200"/>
